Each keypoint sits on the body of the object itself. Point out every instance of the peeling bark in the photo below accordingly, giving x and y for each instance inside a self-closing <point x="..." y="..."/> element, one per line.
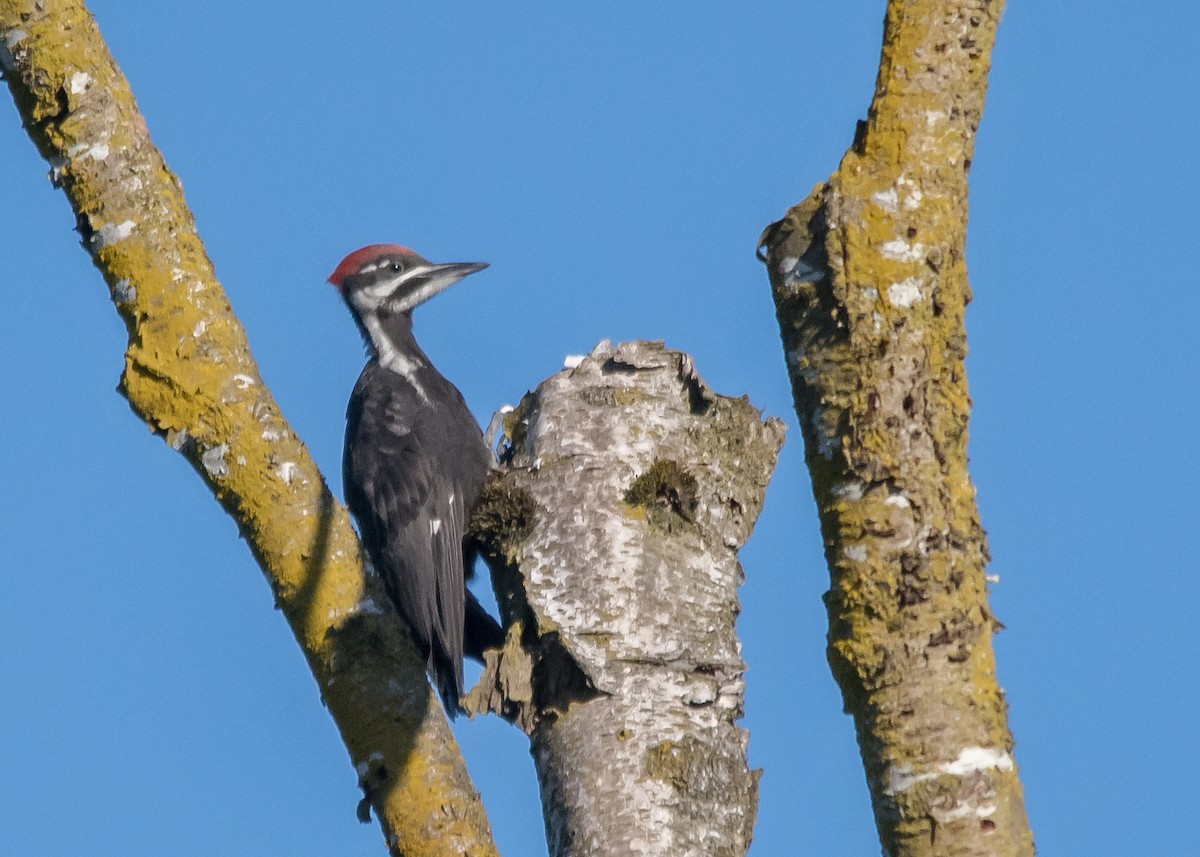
<point x="634" y="485"/>
<point x="189" y="374"/>
<point x="870" y="285"/>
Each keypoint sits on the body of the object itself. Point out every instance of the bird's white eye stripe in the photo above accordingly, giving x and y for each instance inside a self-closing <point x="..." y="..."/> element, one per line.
<point x="381" y="264"/>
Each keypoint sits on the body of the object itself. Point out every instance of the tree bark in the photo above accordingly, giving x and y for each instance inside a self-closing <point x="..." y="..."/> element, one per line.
<point x="870" y="285"/>
<point x="189" y="374"/>
<point x="633" y="485"/>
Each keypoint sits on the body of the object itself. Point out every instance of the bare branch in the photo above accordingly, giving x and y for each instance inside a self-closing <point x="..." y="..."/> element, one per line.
<point x="870" y="286"/>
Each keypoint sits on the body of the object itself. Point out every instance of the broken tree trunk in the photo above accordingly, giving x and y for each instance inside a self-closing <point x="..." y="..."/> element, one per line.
<point x="613" y="534"/>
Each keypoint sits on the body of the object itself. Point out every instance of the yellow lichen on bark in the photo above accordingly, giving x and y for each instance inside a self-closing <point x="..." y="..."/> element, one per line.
<point x="189" y="374"/>
<point x="870" y="283"/>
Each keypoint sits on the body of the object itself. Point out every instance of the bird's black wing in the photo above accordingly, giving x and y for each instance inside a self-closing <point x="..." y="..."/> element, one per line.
<point x="412" y="517"/>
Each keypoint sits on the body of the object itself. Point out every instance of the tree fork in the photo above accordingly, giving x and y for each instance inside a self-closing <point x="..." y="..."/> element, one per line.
<point x="870" y="285"/>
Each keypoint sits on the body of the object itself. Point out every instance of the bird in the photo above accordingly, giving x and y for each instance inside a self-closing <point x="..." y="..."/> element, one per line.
<point x="414" y="462"/>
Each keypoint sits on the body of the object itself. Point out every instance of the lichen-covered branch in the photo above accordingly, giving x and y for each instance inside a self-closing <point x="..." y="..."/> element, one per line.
<point x="189" y="374"/>
<point x="870" y="285"/>
<point x="613" y="536"/>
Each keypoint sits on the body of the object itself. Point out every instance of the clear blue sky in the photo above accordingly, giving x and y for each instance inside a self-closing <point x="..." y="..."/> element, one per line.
<point x="615" y="165"/>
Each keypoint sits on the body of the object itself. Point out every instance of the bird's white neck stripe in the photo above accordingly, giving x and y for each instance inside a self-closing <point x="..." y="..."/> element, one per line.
<point x="391" y="359"/>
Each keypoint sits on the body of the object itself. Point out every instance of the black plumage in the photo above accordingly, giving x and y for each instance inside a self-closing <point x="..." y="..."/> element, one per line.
<point x="414" y="463"/>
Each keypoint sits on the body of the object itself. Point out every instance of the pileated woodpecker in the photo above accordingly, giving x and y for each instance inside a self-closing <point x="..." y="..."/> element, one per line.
<point x="414" y="461"/>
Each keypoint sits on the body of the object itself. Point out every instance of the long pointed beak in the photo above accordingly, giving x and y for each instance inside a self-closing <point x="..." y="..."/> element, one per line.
<point x="423" y="283"/>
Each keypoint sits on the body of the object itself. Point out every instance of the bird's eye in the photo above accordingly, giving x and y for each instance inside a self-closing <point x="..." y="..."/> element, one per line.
<point x="397" y="266"/>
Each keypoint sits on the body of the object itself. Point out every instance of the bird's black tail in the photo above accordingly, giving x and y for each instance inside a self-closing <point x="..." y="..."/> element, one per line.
<point x="481" y="632"/>
<point x="446" y="672"/>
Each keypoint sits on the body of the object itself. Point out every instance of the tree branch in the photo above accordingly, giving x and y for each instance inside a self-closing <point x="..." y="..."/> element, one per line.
<point x="189" y="374"/>
<point x="870" y="285"/>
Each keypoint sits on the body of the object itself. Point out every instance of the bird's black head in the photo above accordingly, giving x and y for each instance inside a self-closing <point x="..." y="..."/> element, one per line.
<point x="387" y="279"/>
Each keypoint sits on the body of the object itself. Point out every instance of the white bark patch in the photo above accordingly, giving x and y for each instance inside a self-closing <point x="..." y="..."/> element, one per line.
<point x="244" y="382"/>
<point x="111" y="233"/>
<point x="571" y="361"/>
<point x="909" y="193"/>
<point x="95" y="151"/>
<point x="858" y="553"/>
<point x="901" y="778"/>
<point x="888" y="199"/>
<point x="199" y="328"/>
<point x="286" y="472"/>
<point x="214" y="461"/>
<point x="904" y="194"/>
<point x="904" y="293"/>
<point x="899" y="250"/>
<point x="125" y="291"/>
<point x="971" y="760"/>
<point x="79" y="82"/>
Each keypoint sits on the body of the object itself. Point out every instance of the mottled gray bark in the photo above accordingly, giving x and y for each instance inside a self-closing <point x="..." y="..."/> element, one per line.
<point x="613" y="534"/>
